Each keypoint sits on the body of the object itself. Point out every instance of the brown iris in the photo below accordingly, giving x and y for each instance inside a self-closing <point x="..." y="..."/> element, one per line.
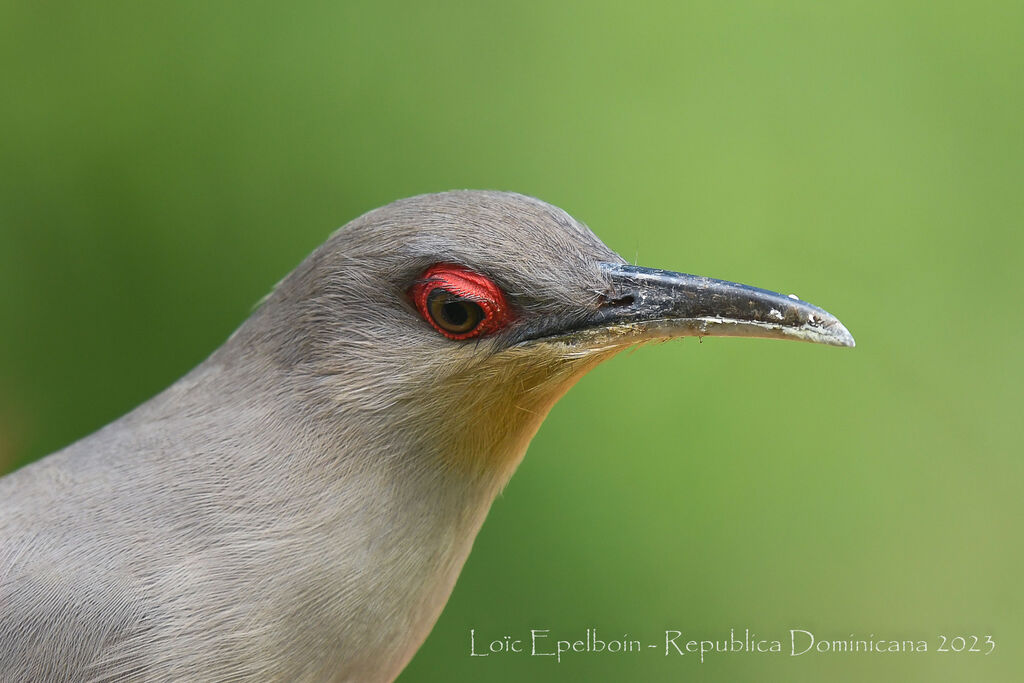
<point x="453" y="314"/>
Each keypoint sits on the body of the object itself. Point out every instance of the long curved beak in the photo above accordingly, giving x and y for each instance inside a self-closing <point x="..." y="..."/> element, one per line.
<point x="647" y="304"/>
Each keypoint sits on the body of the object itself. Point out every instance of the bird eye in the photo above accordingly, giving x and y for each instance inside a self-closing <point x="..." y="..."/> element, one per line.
<point x="452" y="314"/>
<point x="460" y="303"/>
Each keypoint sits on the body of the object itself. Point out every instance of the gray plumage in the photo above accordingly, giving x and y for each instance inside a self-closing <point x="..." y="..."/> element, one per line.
<point x="298" y="507"/>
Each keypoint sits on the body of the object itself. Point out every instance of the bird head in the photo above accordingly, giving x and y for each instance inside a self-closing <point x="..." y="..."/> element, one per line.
<point x="451" y="323"/>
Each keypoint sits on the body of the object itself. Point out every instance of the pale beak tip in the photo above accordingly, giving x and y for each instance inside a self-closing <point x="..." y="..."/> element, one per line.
<point x="836" y="334"/>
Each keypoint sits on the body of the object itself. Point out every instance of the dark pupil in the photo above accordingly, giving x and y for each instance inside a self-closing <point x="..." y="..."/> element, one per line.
<point x="455" y="313"/>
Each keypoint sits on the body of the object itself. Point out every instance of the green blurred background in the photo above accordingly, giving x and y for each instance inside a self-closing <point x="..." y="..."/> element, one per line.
<point x="163" y="165"/>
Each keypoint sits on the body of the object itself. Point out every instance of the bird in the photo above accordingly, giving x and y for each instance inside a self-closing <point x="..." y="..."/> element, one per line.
<point x="299" y="505"/>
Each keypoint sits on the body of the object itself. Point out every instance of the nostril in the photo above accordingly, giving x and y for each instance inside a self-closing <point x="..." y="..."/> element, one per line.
<point x="617" y="302"/>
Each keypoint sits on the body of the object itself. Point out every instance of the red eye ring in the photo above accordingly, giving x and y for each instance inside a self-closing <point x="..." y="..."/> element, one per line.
<point x="460" y="303"/>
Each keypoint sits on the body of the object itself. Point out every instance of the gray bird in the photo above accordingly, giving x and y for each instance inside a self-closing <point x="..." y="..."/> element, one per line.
<point x="298" y="506"/>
